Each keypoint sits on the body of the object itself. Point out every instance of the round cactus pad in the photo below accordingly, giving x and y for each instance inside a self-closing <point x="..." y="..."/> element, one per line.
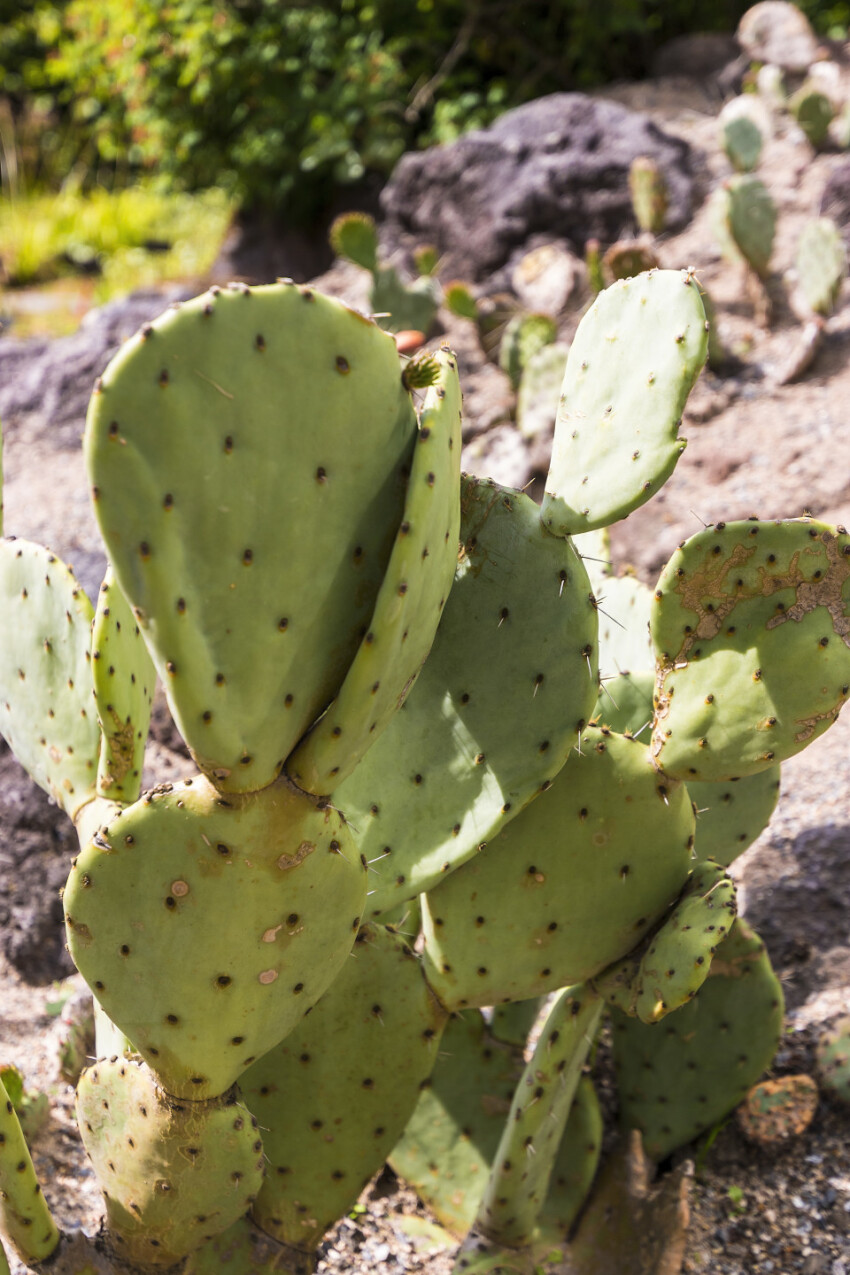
<point x="409" y="604"/>
<point x="46" y="711"/>
<point x="175" y="1173"/>
<point x="206" y="927"/>
<point x="731" y="815"/>
<point x="249" y="455"/>
<point x="752" y="636"/>
<point x="833" y="1055"/>
<point x="680" y="1076"/>
<point x="124" y="678"/>
<point x="571" y="885"/>
<point x="334" y="1097"/>
<point x="634" y="360"/>
<point x="510" y="679"/>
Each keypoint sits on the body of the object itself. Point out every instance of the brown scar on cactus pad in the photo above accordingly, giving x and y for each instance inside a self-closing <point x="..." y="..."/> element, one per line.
<point x="737" y="607"/>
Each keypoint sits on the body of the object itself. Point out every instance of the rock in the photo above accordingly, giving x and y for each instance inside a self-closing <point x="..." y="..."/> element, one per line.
<point x="545" y="278"/>
<point x="557" y="166"/>
<point x="776" y="31"/>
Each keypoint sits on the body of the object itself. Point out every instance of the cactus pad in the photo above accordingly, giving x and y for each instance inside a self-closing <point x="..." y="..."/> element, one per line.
<point x="833" y="1055"/>
<point x="821" y="264"/>
<point x="334" y="1097"/>
<point x="354" y="236"/>
<point x="519" y="1180"/>
<point x="635" y="357"/>
<point x="46" y="711"/>
<point x="450" y="1141"/>
<point x="523" y="917"/>
<point x="24" y="1216"/>
<point x="252" y="607"/>
<point x="677" y="961"/>
<point x="680" y="1076"/>
<point x="730" y="816"/>
<point x="207" y="927"/>
<point x="650" y="196"/>
<point x="497" y="707"/>
<point x="745" y="221"/>
<point x="525" y="336"/>
<point x="173" y="1173"/>
<point x="737" y="608"/>
<point x="779" y="1109"/>
<point x="539" y="391"/>
<point x="124" y="678"/>
<point x="409" y="604"/>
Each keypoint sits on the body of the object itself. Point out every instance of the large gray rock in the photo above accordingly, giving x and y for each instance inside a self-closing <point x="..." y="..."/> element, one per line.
<point x="556" y="167"/>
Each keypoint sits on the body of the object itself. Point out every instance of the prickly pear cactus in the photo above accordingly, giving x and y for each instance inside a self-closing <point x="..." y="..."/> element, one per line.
<point x="833" y="1056"/>
<point x="737" y="605"/>
<point x="634" y="360"/>
<point x="274" y="617"/>
<point x="608" y="837"/>
<point x="650" y="196"/>
<point x="744" y="217"/>
<point x="627" y="258"/>
<point x="821" y="264"/>
<point x="814" y="113"/>
<point x="177" y="1172"/>
<point x="680" y="1076"/>
<point x="207" y="927"/>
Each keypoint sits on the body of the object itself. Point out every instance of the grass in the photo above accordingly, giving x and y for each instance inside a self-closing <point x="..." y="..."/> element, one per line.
<point x="113" y="242"/>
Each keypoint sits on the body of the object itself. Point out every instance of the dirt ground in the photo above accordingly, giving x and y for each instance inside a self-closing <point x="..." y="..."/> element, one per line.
<point x="755" y="446"/>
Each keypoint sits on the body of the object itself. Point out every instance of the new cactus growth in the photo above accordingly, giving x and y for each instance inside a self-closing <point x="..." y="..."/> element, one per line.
<point x="388" y="677"/>
<point x="650" y="196"/>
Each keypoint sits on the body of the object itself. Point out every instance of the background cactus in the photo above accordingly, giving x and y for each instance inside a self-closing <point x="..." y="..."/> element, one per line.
<point x="397" y="306"/>
<point x="821" y="264"/>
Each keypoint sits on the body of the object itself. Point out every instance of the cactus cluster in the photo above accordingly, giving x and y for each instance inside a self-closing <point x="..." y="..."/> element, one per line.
<point x="389" y="679"/>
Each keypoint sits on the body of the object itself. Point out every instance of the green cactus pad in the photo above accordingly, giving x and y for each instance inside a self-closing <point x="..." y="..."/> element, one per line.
<point x="496" y="709"/>
<point x="249" y="454"/>
<point x="650" y="196"/>
<point x="633" y="362"/>
<point x="625" y="606"/>
<point x="525" y="336"/>
<point x="525" y="1158"/>
<point x="124" y="678"/>
<point x="334" y="1097"/>
<point x="46" y="711"/>
<point x="594" y="549"/>
<point x="24" y="1216"/>
<point x="173" y="1174"/>
<point x="402" y="307"/>
<point x="730" y="816"/>
<point x="742" y="141"/>
<point x="737" y="608"/>
<point x="625" y="704"/>
<point x="814" y="112"/>
<point x="627" y="258"/>
<point x="354" y="236"/>
<point x="575" y="1166"/>
<point x="745" y="221"/>
<point x="243" y="1249"/>
<point x="679" y="1077"/>
<point x="821" y="264"/>
<point x="409" y="604"/>
<point x="539" y="391"/>
<point x="522" y="918"/>
<point x="208" y="927"/>
<point x="833" y="1055"/>
<point x="459" y="300"/>
<point x="452" y="1137"/>
<point x="678" y="959"/>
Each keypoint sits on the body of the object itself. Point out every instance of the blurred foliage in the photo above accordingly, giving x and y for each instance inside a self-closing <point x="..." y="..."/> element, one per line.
<point x="125" y="239"/>
<point x="279" y="103"/>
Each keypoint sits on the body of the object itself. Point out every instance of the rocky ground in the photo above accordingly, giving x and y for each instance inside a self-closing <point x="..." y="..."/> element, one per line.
<point x="756" y="445"/>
